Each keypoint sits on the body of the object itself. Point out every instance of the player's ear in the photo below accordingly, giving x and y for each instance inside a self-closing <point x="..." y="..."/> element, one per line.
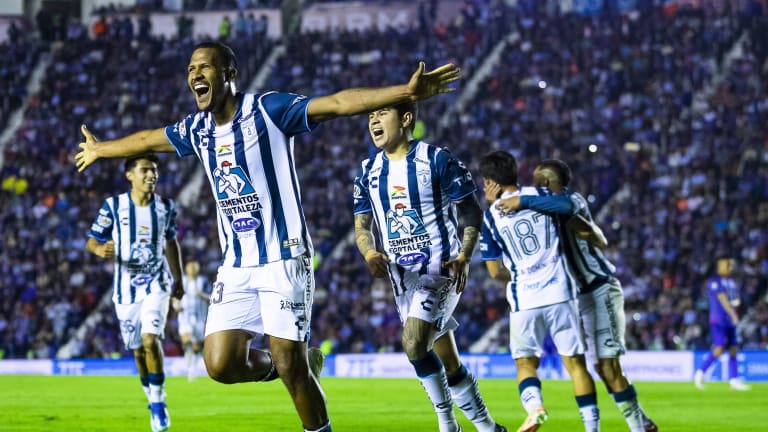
<point x="407" y="119"/>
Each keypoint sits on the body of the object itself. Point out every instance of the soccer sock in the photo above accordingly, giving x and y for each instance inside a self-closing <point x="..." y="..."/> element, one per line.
<point x="590" y="413"/>
<point x="156" y="383"/>
<point x="145" y="385"/>
<point x="530" y="394"/>
<point x="324" y="428"/>
<point x="431" y="373"/>
<point x="707" y="362"/>
<point x="465" y="393"/>
<point x="733" y="370"/>
<point x="189" y="360"/>
<point x="626" y="400"/>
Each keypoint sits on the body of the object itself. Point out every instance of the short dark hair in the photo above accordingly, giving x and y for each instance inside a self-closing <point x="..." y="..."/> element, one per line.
<point x="226" y="55"/>
<point x="131" y="161"/>
<point x="405" y="107"/>
<point x="560" y="168"/>
<point x="500" y="167"/>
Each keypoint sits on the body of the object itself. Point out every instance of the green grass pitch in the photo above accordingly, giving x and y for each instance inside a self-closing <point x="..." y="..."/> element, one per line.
<point x="93" y="404"/>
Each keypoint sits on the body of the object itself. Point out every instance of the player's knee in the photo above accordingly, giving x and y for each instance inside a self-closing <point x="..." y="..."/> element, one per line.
<point x="149" y="341"/>
<point x="218" y="370"/>
<point x="414" y="348"/>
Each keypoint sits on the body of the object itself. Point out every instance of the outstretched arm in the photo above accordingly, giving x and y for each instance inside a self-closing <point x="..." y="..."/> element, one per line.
<point x="150" y="140"/>
<point x="422" y="85"/>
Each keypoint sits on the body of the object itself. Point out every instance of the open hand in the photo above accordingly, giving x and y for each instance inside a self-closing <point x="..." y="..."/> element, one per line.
<point x="87" y="154"/>
<point x="427" y="84"/>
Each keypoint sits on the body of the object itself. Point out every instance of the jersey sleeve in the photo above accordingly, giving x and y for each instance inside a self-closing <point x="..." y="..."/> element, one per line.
<point x="101" y="228"/>
<point x="171" y="229"/>
<point x="362" y="201"/>
<point x="580" y="205"/>
<point x="455" y="179"/>
<point x="178" y="135"/>
<point x="489" y="249"/>
<point x="715" y="287"/>
<point x="557" y="204"/>
<point x="288" y="111"/>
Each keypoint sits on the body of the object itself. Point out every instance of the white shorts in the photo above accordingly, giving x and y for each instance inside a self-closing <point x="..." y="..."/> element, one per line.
<point x="602" y="315"/>
<point x="193" y="324"/>
<point x="426" y="297"/>
<point x="146" y="316"/>
<point x="273" y="299"/>
<point x="528" y="329"/>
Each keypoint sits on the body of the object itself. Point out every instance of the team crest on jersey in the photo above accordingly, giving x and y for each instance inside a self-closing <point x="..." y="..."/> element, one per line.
<point x="425" y="177"/>
<point x="249" y="127"/>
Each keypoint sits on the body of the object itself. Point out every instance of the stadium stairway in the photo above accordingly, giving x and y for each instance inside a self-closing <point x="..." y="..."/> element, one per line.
<point x="16" y="118"/>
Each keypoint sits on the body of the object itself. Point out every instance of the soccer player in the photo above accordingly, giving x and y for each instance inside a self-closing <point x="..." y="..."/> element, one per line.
<point x="137" y="230"/>
<point x="265" y="283"/>
<point x="523" y="249"/>
<point x="415" y="191"/>
<point x="601" y="298"/>
<point x="723" y="320"/>
<point x="192" y="309"/>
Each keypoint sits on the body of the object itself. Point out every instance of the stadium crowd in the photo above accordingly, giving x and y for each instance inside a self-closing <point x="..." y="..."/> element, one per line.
<point x="666" y="134"/>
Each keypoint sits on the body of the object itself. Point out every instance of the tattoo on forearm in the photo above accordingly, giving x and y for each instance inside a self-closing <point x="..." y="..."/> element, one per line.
<point x="469" y="240"/>
<point x="363" y="235"/>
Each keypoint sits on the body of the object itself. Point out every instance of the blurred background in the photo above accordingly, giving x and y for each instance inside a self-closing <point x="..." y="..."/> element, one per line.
<point x="660" y="107"/>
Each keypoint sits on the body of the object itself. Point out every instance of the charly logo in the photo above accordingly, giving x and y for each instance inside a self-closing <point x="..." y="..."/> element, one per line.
<point x="411" y="258"/>
<point x="245" y="224"/>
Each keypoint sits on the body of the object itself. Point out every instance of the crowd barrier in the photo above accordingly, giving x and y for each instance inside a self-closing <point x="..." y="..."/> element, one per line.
<point x="638" y="365"/>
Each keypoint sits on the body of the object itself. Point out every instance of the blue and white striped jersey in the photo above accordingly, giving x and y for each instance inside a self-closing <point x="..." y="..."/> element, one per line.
<point x="140" y="235"/>
<point x="413" y="203"/>
<point x="587" y="263"/>
<point x="192" y="304"/>
<point x="250" y="166"/>
<point x="528" y="242"/>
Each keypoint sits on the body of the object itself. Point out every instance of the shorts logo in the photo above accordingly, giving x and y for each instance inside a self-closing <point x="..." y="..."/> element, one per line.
<point x="411" y="258"/>
<point x="245" y="224"/>
<point x="290" y="305"/>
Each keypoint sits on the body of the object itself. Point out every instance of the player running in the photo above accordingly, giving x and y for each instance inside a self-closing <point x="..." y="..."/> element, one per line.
<point x="523" y="249"/>
<point x="415" y="191"/>
<point x="192" y="310"/>
<point x="601" y="298"/>
<point x="137" y="229"/>
<point x="265" y="284"/>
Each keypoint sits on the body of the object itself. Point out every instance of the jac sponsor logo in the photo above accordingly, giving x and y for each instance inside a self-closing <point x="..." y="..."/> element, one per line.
<point x="140" y="281"/>
<point x="245" y="224"/>
<point x="411" y="258"/>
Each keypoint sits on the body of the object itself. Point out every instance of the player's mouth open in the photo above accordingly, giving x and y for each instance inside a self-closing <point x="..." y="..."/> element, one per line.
<point x="201" y="89"/>
<point x="378" y="132"/>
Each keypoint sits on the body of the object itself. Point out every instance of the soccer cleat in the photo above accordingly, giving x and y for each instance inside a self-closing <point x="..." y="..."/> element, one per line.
<point x="535" y="418"/>
<point x="159" y="419"/>
<point x="649" y="425"/>
<point x="738" y="384"/>
<point x="500" y="428"/>
<point x="316" y="360"/>
<point x="698" y="379"/>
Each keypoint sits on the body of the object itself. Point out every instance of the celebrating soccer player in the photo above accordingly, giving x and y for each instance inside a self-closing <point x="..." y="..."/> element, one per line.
<point x="137" y="229"/>
<point x="413" y="190"/>
<point x="523" y="249"/>
<point x="601" y="298"/>
<point x="265" y="284"/>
